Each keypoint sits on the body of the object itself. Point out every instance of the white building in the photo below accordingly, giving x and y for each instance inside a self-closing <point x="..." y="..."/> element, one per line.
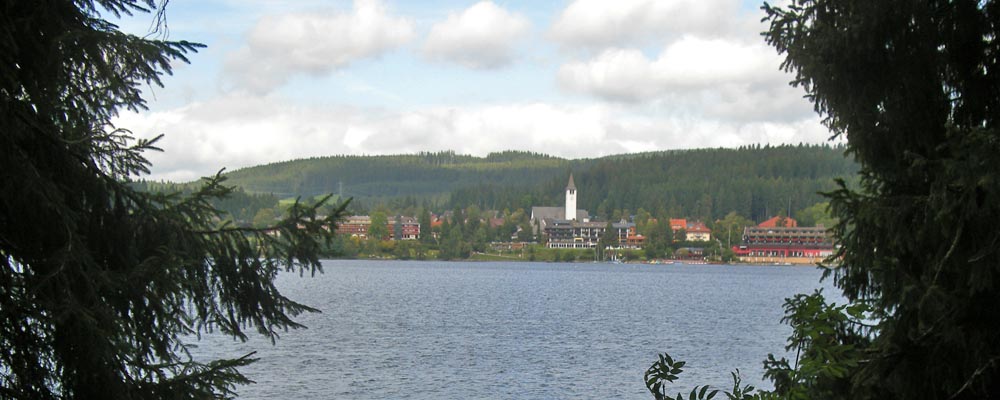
<point x="569" y="212"/>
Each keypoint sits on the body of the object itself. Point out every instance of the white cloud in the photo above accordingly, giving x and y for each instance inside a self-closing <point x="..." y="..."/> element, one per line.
<point x="281" y="46"/>
<point x="597" y="24"/>
<point x="713" y="83"/>
<point x="715" y="77"/>
<point x="689" y="63"/>
<point x="482" y="36"/>
<point x="238" y="131"/>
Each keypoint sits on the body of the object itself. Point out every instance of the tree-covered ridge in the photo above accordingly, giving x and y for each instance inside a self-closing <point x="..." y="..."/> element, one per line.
<point x="426" y="175"/>
<point x="754" y="181"/>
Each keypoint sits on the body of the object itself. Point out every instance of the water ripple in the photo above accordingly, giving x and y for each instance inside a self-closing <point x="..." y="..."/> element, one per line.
<point x="428" y="330"/>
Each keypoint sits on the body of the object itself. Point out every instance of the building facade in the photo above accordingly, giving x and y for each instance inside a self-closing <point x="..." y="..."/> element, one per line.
<point x="571" y="199"/>
<point x="359" y="225"/>
<point x="409" y="228"/>
<point x="355" y="225"/>
<point x="540" y="216"/>
<point x="785" y="242"/>
<point x="694" y="231"/>
<point x="563" y="234"/>
<point x="570" y="228"/>
<point x="697" y="232"/>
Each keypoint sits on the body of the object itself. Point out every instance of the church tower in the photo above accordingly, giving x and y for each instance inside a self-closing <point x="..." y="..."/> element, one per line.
<point x="570" y="199"/>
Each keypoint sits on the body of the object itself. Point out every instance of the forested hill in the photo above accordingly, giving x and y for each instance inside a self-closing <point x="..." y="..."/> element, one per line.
<point x="756" y="182"/>
<point x="422" y="176"/>
<point x="753" y="181"/>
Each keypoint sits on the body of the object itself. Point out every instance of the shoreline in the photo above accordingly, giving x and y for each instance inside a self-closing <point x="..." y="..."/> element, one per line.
<point x="487" y="258"/>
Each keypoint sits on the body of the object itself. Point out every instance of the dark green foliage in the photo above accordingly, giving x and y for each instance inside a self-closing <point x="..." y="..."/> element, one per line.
<point x="753" y="181"/>
<point x="829" y="343"/>
<point x="239" y="206"/>
<point x="101" y="283"/>
<point x="454" y="246"/>
<point x="379" y="229"/>
<point x="664" y="371"/>
<point x="373" y="179"/>
<point x="914" y="86"/>
<point x="744" y="392"/>
<point x="424" y="219"/>
<point x="817" y="214"/>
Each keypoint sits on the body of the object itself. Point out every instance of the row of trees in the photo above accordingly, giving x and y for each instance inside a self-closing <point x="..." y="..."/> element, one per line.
<point x="755" y="181"/>
<point x="707" y="184"/>
<point x="375" y="179"/>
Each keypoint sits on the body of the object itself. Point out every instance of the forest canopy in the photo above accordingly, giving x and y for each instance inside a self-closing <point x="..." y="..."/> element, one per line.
<point x="755" y="181"/>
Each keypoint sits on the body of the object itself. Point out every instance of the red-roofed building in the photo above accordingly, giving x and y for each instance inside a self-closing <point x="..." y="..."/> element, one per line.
<point x="358" y="225"/>
<point x="698" y="232"/>
<point x="635" y="241"/>
<point x="409" y="228"/>
<point x="677" y="224"/>
<point x="774" y="244"/>
<point x="776" y="223"/>
<point x="355" y="225"/>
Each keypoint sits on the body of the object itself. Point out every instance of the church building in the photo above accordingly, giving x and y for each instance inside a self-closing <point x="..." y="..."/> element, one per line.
<point x="571" y="228"/>
<point x="569" y="212"/>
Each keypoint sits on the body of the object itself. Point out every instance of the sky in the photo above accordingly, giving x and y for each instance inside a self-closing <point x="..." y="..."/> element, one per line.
<point x="282" y="80"/>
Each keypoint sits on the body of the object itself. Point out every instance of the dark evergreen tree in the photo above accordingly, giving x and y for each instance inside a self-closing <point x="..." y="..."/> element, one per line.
<point x="379" y="228"/>
<point x="914" y="87"/>
<point x="397" y="228"/>
<point x="100" y="283"/>
<point x="426" y="236"/>
<point x="608" y="239"/>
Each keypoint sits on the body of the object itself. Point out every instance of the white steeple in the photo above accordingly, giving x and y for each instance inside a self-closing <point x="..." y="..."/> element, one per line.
<point x="570" y="199"/>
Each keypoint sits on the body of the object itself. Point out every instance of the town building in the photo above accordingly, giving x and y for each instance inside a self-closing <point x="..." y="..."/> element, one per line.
<point x="539" y="215"/>
<point x="571" y="199"/>
<point x="359" y="225"/>
<point x="355" y="225"/>
<point x="694" y="231"/>
<point x="769" y="242"/>
<point x="409" y="228"/>
<point x="779" y="222"/>
<point x="571" y="228"/>
<point x="697" y="232"/>
<point x="563" y="234"/>
<point x="634" y="241"/>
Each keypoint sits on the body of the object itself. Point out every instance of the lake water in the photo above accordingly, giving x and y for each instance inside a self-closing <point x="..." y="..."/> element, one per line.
<point x="434" y="330"/>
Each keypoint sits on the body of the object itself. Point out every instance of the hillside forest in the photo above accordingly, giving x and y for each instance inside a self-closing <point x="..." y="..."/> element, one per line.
<point x="492" y="196"/>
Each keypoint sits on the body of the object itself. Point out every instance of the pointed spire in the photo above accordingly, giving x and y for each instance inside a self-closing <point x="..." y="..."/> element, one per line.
<point x="570" y="185"/>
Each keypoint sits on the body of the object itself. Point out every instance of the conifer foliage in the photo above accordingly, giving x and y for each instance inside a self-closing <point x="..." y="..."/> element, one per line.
<point x="914" y="86"/>
<point x="101" y="283"/>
